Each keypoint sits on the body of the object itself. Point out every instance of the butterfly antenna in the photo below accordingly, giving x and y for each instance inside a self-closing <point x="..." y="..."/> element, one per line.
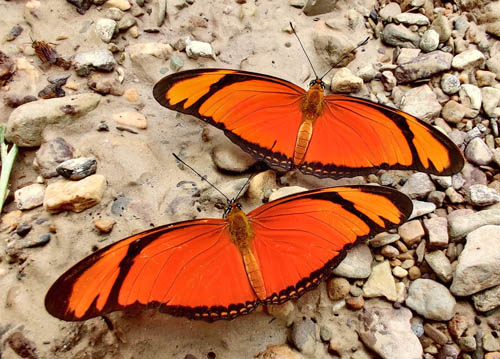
<point x="204" y="178"/>
<point x="300" y="42"/>
<point x="362" y="43"/>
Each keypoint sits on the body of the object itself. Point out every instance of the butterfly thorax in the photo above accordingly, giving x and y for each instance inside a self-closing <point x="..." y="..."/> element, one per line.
<point x="240" y="231"/>
<point x="312" y="107"/>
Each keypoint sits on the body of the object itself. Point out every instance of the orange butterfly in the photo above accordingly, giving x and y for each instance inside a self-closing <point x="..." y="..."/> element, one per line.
<point x="214" y="269"/>
<point x="322" y="135"/>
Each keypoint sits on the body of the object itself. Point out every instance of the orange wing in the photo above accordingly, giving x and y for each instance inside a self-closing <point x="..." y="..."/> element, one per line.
<point x="189" y="268"/>
<point x="369" y="136"/>
<point x="255" y="111"/>
<point x="299" y="238"/>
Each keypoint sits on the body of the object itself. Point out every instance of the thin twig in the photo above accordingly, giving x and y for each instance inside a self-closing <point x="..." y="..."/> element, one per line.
<point x="8" y="158"/>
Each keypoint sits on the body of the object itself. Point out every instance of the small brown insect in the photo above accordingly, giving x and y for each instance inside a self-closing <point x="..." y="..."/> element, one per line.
<point x="47" y="54"/>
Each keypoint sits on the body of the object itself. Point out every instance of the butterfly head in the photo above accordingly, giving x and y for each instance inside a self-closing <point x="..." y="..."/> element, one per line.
<point x="317" y="82"/>
<point x="231" y="206"/>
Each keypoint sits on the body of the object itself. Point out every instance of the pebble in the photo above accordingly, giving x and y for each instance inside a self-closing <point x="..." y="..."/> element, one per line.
<point x="22" y="346"/>
<point x="407" y="55"/>
<point x="435" y="334"/>
<point x="399" y="272"/>
<point x="229" y="157"/>
<point x="126" y="22"/>
<point x="411" y="232"/>
<point x="431" y="299"/>
<point x="132" y="119"/>
<point x="23" y="229"/>
<point x="29" y="196"/>
<point x="387" y="332"/>
<point x="440" y="264"/>
<point x="422" y="103"/>
<point x="51" y="154"/>
<point x="485" y="78"/>
<point x="390" y="11"/>
<point x="490" y="343"/>
<point x="468" y="59"/>
<point x="458" y="325"/>
<point x="356" y="264"/>
<point x="436" y="198"/>
<point x="281" y="311"/>
<point x="338" y="288"/>
<point x="453" y="112"/>
<point x="176" y="63"/>
<point x="409" y="18"/>
<point x="414" y="273"/>
<point x="105" y="84"/>
<point x="313" y="8"/>
<point x="453" y="195"/>
<point x="478" y="266"/>
<point x="493" y="64"/>
<point x="95" y="60"/>
<point x="345" y="82"/>
<point x="460" y="226"/>
<point x="382" y="239"/>
<point x="262" y="185"/>
<point x="400" y="36"/>
<point x="26" y="123"/>
<point x="367" y="73"/>
<point x="477" y="152"/>
<point x="355" y="303"/>
<point x="487" y="300"/>
<point x="104" y="225"/>
<point x="470" y="94"/>
<point x="492" y="355"/>
<point x="437" y="229"/>
<point x="381" y="283"/>
<point x="106" y="29"/>
<point x="77" y="168"/>
<point x="145" y="56"/>
<point x="419" y="185"/>
<point x="421" y="208"/>
<point x="389" y="252"/>
<point x="450" y="84"/>
<point x="429" y="41"/>
<point x="423" y="66"/>
<point x="196" y="49"/>
<point x="114" y="13"/>
<point x="123" y="5"/>
<point x="303" y="335"/>
<point x="442" y="26"/>
<point x="481" y="195"/>
<point x="490" y="101"/>
<point x="131" y="95"/>
<point x="74" y="196"/>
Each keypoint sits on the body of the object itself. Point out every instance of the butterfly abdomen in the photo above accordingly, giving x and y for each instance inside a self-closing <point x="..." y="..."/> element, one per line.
<point x="312" y="107"/>
<point x="242" y="235"/>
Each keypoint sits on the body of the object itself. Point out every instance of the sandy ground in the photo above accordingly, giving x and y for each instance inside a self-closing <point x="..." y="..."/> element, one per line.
<point x="141" y="168"/>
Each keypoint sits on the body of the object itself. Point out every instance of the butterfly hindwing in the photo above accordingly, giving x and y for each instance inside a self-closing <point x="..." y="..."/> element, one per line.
<point x="298" y="238"/>
<point x="370" y="136"/>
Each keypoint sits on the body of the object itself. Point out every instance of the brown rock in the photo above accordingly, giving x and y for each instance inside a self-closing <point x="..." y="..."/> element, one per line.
<point x="133" y="119"/>
<point x="22" y="346"/>
<point x="131" y="95"/>
<point x="74" y="196"/>
<point x="104" y="225"/>
<point x="457" y="325"/>
<point x="411" y="232"/>
<point x="10" y="220"/>
<point x="355" y="303"/>
<point x="338" y="288"/>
